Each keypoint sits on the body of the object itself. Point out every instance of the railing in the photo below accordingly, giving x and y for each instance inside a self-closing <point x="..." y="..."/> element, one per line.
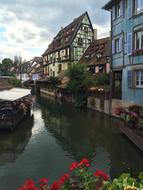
<point x="106" y="95"/>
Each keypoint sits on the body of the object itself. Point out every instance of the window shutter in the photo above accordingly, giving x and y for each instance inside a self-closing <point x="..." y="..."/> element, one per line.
<point x="113" y="13"/>
<point x="130" y="77"/>
<point x="129" y="44"/>
<point x="130" y="8"/>
<point x="125" y="48"/>
<point x="122" y="7"/>
<point x="120" y="44"/>
<point x="113" y="46"/>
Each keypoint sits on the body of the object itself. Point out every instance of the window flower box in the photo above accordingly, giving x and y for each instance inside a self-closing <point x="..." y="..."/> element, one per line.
<point x="138" y="52"/>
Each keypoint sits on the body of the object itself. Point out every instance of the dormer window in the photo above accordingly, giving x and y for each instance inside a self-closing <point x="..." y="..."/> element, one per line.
<point x="88" y="56"/>
<point x="98" y="56"/>
<point x="67" y="39"/>
<point x="72" y="29"/>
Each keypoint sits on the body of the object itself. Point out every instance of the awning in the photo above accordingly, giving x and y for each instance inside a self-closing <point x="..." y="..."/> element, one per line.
<point x="13" y="94"/>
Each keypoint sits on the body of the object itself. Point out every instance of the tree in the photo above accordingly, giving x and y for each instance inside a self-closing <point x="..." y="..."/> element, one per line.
<point x="15" y="82"/>
<point x="17" y="61"/>
<point x="18" y="65"/>
<point x="53" y="81"/>
<point x="80" y="81"/>
<point x="6" y="65"/>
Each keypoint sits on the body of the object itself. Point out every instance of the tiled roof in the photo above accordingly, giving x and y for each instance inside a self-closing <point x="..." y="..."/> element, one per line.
<point x="66" y="35"/>
<point x="36" y="65"/>
<point x="101" y="46"/>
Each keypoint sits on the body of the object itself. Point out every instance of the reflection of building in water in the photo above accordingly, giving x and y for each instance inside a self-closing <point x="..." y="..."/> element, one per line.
<point x="89" y="134"/>
<point x="13" y="143"/>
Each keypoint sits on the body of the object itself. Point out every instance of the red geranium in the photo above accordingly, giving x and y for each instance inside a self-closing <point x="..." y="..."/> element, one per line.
<point x="28" y="185"/>
<point x="43" y="180"/>
<point x="55" y="186"/>
<point x="84" y="162"/>
<point x="100" y="173"/>
<point x="64" y="178"/>
<point x="74" y="165"/>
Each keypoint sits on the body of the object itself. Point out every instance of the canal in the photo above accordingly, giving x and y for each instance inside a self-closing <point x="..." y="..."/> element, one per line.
<point x="57" y="134"/>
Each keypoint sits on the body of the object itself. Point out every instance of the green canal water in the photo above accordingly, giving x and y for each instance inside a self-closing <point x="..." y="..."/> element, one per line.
<point x="57" y="134"/>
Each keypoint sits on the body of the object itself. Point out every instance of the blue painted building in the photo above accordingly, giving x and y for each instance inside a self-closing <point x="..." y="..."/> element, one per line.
<point x="127" y="49"/>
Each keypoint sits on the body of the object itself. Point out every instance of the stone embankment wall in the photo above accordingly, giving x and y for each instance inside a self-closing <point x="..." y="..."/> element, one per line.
<point x="104" y="105"/>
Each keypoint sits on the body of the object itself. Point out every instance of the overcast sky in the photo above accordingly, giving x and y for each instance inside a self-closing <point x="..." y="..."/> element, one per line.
<point x="28" y="26"/>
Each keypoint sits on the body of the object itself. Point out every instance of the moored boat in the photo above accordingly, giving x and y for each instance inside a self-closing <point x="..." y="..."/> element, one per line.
<point x="15" y="104"/>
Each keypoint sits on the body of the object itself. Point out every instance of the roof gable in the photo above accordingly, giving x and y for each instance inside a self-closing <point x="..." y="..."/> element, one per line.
<point x="66" y="35"/>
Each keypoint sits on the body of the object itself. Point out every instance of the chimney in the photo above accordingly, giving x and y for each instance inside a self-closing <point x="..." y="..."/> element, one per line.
<point x="95" y="34"/>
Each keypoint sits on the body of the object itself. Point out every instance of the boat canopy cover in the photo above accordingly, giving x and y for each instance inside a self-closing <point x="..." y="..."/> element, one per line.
<point x="13" y="94"/>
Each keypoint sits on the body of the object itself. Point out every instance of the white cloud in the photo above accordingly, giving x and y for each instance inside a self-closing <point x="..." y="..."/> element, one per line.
<point x="102" y="31"/>
<point x="31" y="25"/>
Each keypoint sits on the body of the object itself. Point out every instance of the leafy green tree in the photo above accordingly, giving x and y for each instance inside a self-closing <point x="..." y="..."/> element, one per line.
<point x="15" y="82"/>
<point x="102" y="79"/>
<point x="80" y="81"/>
<point x="53" y="81"/>
<point x="17" y="61"/>
<point x="6" y="65"/>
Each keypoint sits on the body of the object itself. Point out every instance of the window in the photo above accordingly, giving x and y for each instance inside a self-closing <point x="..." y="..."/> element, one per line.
<point x="86" y="29"/>
<point x="138" y="6"/>
<point x="117" y="45"/>
<point x="59" y="68"/>
<point x="98" y="56"/>
<point x="139" y="40"/>
<point x="117" y="10"/>
<point x="67" y="39"/>
<point x="101" y="69"/>
<point x="80" y="41"/>
<point x="88" y="56"/>
<point x="139" y="78"/>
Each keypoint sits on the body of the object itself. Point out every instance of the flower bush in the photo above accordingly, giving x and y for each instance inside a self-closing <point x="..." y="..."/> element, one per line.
<point x="80" y="178"/>
<point x="119" y="110"/>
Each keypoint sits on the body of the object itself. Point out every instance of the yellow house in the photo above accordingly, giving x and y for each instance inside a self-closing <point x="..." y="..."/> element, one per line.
<point x="68" y="46"/>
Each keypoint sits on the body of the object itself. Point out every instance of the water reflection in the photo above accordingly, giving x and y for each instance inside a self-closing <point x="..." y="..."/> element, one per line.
<point x="12" y="144"/>
<point x="84" y="133"/>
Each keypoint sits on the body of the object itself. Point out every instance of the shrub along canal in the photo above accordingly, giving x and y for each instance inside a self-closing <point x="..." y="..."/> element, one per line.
<point x="45" y="144"/>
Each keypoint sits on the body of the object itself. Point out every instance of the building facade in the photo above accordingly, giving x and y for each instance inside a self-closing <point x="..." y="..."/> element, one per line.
<point x="36" y="70"/>
<point x="127" y="49"/>
<point x="68" y="46"/>
<point x="97" y="56"/>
